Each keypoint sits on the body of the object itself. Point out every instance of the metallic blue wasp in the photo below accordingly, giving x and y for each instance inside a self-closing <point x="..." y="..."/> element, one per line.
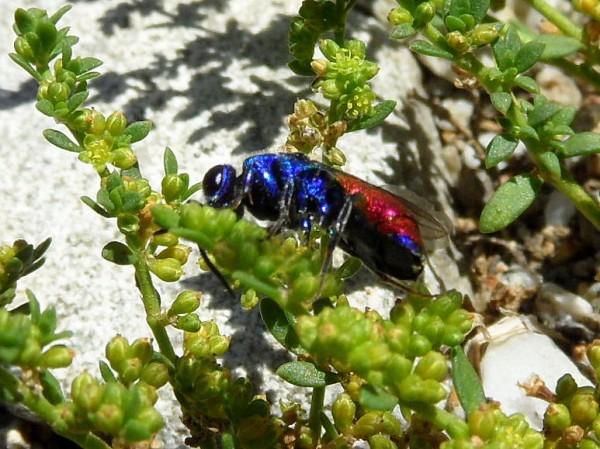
<point x="382" y="229"/>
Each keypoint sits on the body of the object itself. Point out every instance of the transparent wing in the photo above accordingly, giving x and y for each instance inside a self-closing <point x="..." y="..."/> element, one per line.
<point x="434" y="225"/>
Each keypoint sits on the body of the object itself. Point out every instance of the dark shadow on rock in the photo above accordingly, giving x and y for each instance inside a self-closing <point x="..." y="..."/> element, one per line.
<point x="12" y="98"/>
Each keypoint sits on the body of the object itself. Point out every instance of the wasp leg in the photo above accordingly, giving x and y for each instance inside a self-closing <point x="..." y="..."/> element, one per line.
<point x="284" y="206"/>
<point x="216" y="272"/>
<point x="335" y="233"/>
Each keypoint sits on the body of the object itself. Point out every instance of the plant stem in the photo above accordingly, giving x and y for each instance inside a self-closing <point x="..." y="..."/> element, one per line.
<point x="455" y="426"/>
<point x="48" y="412"/>
<point x="151" y="302"/>
<point x="567" y="185"/>
<point x="314" y="418"/>
<point x="557" y="18"/>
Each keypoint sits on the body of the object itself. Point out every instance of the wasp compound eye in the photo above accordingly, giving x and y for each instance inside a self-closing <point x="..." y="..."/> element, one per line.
<point x="219" y="186"/>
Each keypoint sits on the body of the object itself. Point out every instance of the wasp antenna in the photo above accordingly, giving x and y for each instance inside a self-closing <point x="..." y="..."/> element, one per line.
<point x="216" y="272"/>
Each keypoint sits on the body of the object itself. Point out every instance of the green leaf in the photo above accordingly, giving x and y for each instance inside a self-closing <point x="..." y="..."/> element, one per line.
<point x="543" y="109"/>
<point x="582" y="144"/>
<point x="77" y="100"/>
<point x="45" y="107"/>
<point x="51" y="388"/>
<point x="138" y="130"/>
<point x="22" y="62"/>
<point x="558" y="46"/>
<point x="454" y="23"/>
<point x="479" y="9"/>
<point x="280" y="327"/>
<point x="165" y="217"/>
<point x="305" y="374"/>
<point x="459" y="7"/>
<point x="501" y="101"/>
<point x="87" y="64"/>
<point x="374" y="398"/>
<point x="191" y="190"/>
<point x="466" y="382"/>
<point x="508" y="202"/>
<point x="119" y="253"/>
<point x="106" y="373"/>
<point x="551" y="163"/>
<point x="527" y="83"/>
<point x="60" y="140"/>
<point x="381" y="111"/>
<point x="427" y="48"/>
<point x="528" y="55"/>
<point x="34" y="307"/>
<point x="54" y="18"/>
<point x="170" y="162"/>
<point x="403" y="31"/>
<point x="95" y="207"/>
<point x="506" y="48"/>
<point x="500" y="149"/>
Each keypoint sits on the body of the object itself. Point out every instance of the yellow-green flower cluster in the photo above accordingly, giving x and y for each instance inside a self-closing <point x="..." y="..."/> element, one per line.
<point x="399" y="354"/>
<point x="490" y="428"/>
<point x="275" y="267"/>
<point x="125" y="413"/>
<point x="24" y="339"/>
<point x="310" y="129"/>
<point x="343" y="78"/>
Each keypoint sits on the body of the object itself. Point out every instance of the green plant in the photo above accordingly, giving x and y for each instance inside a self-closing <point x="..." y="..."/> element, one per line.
<point x="380" y="363"/>
<point x="457" y="31"/>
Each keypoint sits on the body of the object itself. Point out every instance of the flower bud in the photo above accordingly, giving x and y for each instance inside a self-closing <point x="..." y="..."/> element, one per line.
<point x="142" y="349"/>
<point x="189" y="322"/>
<point x="178" y="252"/>
<point x="116" y="123"/>
<point x="484" y="34"/>
<point x="155" y="374"/>
<point x="173" y="187"/>
<point x="483" y="422"/>
<point x="152" y="419"/>
<point x="424" y="13"/>
<point x="124" y="158"/>
<point x="367" y="425"/>
<point x="458" y="42"/>
<point x="57" y="92"/>
<point x="433" y="366"/>
<point x="593" y="354"/>
<point x="107" y="419"/>
<point x="117" y="350"/>
<point x="329" y="49"/>
<point x="418" y="346"/>
<point x="319" y="66"/>
<point x="186" y="302"/>
<point x="390" y="425"/>
<point x="23" y="49"/>
<point x="249" y="299"/>
<point x="58" y="356"/>
<point x="343" y="411"/>
<point x="86" y="392"/>
<point x="219" y="345"/>
<point x="557" y="417"/>
<point x="399" y="16"/>
<point x="168" y="270"/>
<point x="129" y="370"/>
<point x="357" y="48"/>
<point x="97" y="123"/>
<point x="165" y="239"/>
<point x="381" y="442"/>
<point x="584" y="409"/>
